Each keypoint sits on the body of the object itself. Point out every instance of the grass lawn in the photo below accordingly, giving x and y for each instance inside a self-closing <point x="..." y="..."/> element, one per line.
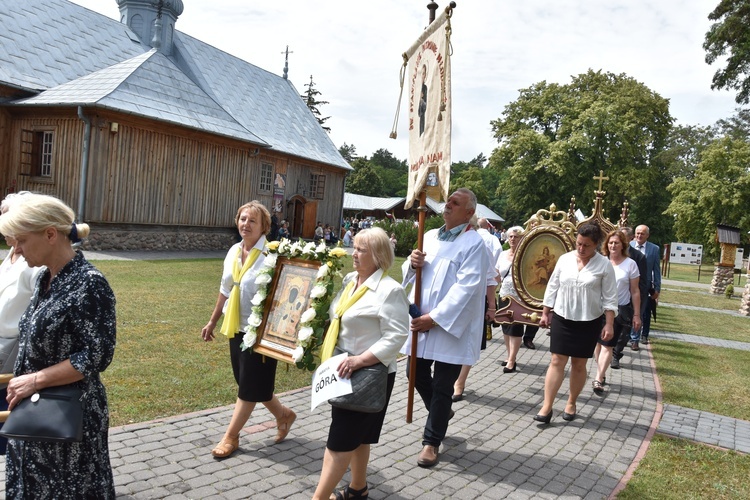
<point x="703" y="323"/>
<point x="684" y="272"/>
<point x="698" y="298"/>
<point x="706" y="378"/>
<point x="680" y="469"/>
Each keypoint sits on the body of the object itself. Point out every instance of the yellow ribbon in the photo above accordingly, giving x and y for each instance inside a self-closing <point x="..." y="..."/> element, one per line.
<point x="332" y="334"/>
<point x="232" y="315"/>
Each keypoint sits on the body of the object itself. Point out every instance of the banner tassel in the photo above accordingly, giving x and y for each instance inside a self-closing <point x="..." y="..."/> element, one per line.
<point x="402" y="77"/>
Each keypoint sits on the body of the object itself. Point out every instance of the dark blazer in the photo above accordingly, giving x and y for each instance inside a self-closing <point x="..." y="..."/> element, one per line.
<point x="653" y="270"/>
<point x="640" y="260"/>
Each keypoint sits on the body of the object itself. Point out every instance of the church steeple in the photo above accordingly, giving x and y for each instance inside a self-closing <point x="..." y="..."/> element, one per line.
<point x="152" y="20"/>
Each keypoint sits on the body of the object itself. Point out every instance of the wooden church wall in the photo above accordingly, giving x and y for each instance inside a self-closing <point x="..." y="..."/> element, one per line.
<point x="143" y="172"/>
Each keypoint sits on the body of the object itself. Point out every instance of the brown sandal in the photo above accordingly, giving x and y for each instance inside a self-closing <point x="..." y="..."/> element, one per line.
<point x="284" y="423"/>
<point x="226" y="447"/>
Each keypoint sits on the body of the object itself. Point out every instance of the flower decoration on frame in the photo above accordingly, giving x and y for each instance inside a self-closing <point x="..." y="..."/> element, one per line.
<point x="312" y="323"/>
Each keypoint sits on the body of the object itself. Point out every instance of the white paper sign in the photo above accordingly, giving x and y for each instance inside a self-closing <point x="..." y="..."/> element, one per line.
<point x="327" y="384"/>
<point x="685" y="253"/>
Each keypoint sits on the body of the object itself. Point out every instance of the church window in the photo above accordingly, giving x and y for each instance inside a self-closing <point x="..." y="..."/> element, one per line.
<point x="317" y="186"/>
<point x="36" y="153"/>
<point x="266" y="176"/>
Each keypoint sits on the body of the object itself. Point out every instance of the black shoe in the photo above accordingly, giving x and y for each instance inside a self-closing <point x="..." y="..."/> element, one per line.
<point x="568" y="417"/>
<point x="545" y="419"/>
<point x="529" y="344"/>
<point x="510" y="370"/>
<point x="348" y="492"/>
<point x="457" y="397"/>
<point x="615" y="365"/>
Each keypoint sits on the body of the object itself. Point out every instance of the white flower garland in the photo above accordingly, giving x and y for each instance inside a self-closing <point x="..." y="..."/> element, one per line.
<point x="312" y="322"/>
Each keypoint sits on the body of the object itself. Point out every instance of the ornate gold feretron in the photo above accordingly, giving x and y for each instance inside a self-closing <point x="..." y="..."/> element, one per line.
<point x="547" y="235"/>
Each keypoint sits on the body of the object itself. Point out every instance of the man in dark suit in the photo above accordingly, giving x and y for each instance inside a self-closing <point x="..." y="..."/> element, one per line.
<point x="640" y="260"/>
<point x="653" y="276"/>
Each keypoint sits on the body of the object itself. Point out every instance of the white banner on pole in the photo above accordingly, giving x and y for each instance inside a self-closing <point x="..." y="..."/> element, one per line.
<point x="428" y="76"/>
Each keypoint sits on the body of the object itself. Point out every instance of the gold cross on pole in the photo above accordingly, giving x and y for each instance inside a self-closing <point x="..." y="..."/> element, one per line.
<point x="601" y="179"/>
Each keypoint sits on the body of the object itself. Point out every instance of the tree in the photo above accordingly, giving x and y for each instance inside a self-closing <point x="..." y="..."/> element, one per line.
<point x="349" y="152"/>
<point x="718" y="193"/>
<point x="384" y="158"/>
<point x="555" y="138"/>
<point x="311" y="99"/>
<point x="737" y="126"/>
<point x="364" y="179"/>
<point x="730" y="33"/>
<point x="685" y="145"/>
<point x="472" y="178"/>
<point x="472" y="174"/>
<point x="392" y="171"/>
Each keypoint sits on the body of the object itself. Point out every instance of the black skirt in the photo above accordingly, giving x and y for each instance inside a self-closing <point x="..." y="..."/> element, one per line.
<point x="350" y="429"/>
<point x="254" y="373"/>
<point x="574" y="338"/>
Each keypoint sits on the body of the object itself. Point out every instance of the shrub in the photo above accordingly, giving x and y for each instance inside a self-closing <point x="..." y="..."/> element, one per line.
<point x="729" y="291"/>
<point x="406" y="232"/>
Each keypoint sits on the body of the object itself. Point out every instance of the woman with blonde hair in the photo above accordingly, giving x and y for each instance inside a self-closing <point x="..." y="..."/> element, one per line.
<point x="67" y="337"/>
<point x="255" y="374"/>
<point x="373" y="324"/>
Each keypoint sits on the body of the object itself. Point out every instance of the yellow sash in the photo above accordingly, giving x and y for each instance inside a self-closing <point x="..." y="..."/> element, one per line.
<point x="332" y="334"/>
<point x="232" y="315"/>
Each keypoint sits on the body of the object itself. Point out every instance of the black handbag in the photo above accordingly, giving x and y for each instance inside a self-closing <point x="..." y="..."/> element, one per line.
<point x="53" y="414"/>
<point x="369" y="388"/>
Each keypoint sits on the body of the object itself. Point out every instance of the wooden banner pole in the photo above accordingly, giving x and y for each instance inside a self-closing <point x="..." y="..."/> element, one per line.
<point x="418" y="302"/>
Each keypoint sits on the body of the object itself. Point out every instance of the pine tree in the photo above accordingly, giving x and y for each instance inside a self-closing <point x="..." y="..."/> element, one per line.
<point x="311" y="99"/>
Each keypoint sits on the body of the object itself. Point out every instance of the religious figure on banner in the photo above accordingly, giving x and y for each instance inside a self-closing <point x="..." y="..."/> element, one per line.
<point x="422" y="111"/>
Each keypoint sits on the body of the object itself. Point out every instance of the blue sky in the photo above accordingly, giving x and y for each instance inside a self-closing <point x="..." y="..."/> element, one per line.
<point x="499" y="47"/>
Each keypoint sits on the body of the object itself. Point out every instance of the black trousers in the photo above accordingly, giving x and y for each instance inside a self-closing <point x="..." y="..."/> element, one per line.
<point x="435" y="389"/>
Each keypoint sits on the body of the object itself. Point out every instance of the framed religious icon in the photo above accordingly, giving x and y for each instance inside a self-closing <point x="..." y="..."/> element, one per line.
<point x="288" y="297"/>
<point x="535" y="260"/>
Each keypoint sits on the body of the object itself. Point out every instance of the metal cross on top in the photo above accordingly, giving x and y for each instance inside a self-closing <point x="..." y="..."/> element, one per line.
<point x="601" y="179"/>
<point x="286" y="62"/>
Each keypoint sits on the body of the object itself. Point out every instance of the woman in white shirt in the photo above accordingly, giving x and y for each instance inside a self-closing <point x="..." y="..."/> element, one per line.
<point x="581" y="290"/>
<point x="17" y="282"/>
<point x="513" y="333"/>
<point x="628" y="300"/>
<point x="372" y="330"/>
<point x="255" y="374"/>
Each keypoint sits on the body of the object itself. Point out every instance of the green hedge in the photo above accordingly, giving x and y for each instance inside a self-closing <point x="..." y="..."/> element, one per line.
<point x="406" y="232"/>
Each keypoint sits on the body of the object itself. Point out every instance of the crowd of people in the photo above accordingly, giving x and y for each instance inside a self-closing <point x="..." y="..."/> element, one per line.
<point x="596" y="300"/>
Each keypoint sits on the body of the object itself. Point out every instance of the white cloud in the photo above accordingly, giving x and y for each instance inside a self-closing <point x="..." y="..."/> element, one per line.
<point x="354" y="55"/>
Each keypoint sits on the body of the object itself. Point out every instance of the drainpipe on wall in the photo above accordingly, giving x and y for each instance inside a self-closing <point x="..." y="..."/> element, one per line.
<point x="84" y="164"/>
<point x="341" y="213"/>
